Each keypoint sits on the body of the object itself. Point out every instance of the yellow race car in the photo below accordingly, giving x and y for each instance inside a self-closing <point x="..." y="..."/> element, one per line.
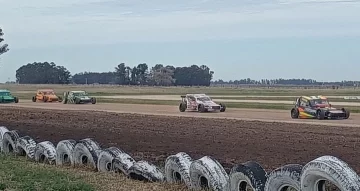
<point x="317" y="107"/>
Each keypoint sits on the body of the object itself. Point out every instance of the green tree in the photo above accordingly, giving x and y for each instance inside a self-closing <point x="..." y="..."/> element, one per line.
<point x="161" y="76"/>
<point x="3" y="48"/>
<point x="42" y="73"/>
<point x="121" y="74"/>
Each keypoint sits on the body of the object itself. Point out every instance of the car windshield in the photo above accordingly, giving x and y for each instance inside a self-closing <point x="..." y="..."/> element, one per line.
<point x="4" y="93"/>
<point x="49" y="93"/>
<point x="80" y="93"/>
<point x="319" y="101"/>
<point x="205" y="98"/>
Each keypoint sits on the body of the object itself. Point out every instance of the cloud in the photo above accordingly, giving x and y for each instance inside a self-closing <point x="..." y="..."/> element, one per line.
<point x="58" y="22"/>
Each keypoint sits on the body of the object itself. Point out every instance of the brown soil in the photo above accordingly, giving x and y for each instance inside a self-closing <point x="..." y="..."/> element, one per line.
<point x="154" y="138"/>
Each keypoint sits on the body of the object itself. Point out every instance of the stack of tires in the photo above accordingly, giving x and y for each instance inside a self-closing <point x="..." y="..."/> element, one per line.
<point x="205" y="172"/>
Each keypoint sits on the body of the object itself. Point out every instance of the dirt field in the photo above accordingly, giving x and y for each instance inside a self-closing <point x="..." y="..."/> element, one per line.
<point x="155" y="137"/>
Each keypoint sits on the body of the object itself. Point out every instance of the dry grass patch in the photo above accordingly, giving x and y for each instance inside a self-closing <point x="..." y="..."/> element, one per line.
<point x="16" y="173"/>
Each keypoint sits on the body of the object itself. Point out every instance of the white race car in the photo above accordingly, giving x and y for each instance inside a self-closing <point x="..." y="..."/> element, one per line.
<point x="200" y="103"/>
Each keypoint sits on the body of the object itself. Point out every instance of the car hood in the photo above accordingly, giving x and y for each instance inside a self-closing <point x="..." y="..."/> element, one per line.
<point x="7" y="97"/>
<point x="209" y="103"/>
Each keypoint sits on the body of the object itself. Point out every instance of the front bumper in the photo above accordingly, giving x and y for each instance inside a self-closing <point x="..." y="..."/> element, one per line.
<point x="7" y="100"/>
<point x="85" y="100"/>
<point x="213" y="108"/>
<point x="336" y="115"/>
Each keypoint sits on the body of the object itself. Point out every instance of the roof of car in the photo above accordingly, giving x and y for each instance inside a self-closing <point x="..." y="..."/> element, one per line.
<point x="314" y="97"/>
<point x="4" y="91"/>
<point x="77" y="91"/>
<point x="45" y="90"/>
<point x="197" y="95"/>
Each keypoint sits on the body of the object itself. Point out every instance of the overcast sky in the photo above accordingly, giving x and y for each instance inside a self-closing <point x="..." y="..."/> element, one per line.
<point x="317" y="39"/>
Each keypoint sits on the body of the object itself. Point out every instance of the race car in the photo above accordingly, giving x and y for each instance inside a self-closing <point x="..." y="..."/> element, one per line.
<point x="46" y="95"/>
<point x="78" y="97"/>
<point x="200" y="103"/>
<point x="317" y="107"/>
<point x="6" y="97"/>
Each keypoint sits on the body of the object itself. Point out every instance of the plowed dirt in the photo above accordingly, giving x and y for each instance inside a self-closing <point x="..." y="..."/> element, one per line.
<point x="154" y="138"/>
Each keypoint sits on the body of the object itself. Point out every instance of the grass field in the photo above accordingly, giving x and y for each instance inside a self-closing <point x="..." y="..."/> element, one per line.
<point x="18" y="174"/>
<point x="145" y="90"/>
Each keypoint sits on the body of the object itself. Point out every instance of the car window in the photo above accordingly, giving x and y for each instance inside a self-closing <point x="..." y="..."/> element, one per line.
<point x="303" y="103"/>
<point x="191" y="98"/>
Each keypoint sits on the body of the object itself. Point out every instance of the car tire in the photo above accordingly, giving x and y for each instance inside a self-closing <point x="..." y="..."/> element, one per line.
<point x="182" y="107"/>
<point x="223" y="107"/>
<point x="294" y="113"/>
<point x="34" y="99"/>
<point x="16" y="99"/>
<point x="201" y="108"/>
<point x="320" y="114"/>
<point x="93" y="100"/>
<point x="347" y="113"/>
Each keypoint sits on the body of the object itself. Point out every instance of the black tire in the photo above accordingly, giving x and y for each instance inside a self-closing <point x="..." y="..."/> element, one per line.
<point x="223" y="109"/>
<point x="59" y="99"/>
<point x="86" y="153"/>
<point x="45" y="152"/>
<point x="207" y="173"/>
<point x="3" y="130"/>
<point x="182" y="107"/>
<point x="25" y="146"/>
<point x="122" y="163"/>
<point x="331" y="169"/>
<point x="177" y="169"/>
<point x="33" y="99"/>
<point x="93" y="100"/>
<point x="45" y="99"/>
<point x="320" y="114"/>
<point x="106" y="156"/>
<point x="250" y="173"/>
<point x="347" y="113"/>
<point x="201" y="108"/>
<point x="145" y="171"/>
<point x="16" y="99"/>
<point x="77" y="101"/>
<point x="64" y="152"/>
<point x="283" y="178"/>
<point x="294" y="113"/>
<point x="9" y="140"/>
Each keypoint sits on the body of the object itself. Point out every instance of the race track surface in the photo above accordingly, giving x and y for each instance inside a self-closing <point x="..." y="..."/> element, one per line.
<point x="153" y="138"/>
<point x="270" y="137"/>
<point x="242" y="114"/>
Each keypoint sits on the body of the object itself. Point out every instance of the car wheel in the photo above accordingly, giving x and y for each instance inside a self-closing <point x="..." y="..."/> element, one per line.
<point x="320" y="115"/>
<point x="182" y="107"/>
<point x="201" y="108"/>
<point x="347" y="113"/>
<point x="223" y="107"/>
<point x="294" y="113"/>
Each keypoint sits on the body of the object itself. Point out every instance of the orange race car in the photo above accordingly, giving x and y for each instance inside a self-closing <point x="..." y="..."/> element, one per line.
<point x="46" y="95"/>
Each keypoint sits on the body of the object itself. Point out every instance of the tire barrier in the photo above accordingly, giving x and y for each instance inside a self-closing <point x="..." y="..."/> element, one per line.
<point x="205" y="172"/>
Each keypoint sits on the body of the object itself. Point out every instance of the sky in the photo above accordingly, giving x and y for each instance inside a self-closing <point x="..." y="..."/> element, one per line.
<point x="317" y="39"/>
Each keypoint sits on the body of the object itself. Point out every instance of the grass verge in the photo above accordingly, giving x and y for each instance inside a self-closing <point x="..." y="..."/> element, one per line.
<point x="18" y="174"/>
<point x="278" y="106"/>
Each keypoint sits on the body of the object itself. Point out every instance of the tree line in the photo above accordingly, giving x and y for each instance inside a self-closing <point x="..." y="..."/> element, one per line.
<point x="158" y="75"/>
<point x="281" y="81"/>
